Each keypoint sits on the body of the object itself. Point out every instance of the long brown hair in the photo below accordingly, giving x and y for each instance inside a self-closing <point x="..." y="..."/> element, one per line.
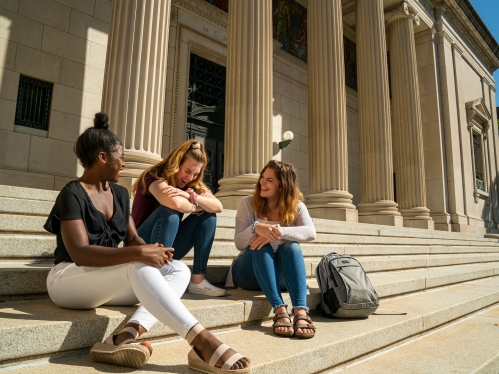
<point x="169" y="167"/>
<point x="290" y="194"/>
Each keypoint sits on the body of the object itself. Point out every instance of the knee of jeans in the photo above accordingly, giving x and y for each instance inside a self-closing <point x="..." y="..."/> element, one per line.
<point x="168" y="214"/>
<point x="291" y="247"/>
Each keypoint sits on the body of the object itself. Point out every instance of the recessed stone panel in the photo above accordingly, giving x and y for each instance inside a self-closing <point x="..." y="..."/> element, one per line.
<point x="9" y="84"/>
<point x="82" y="76"/>
<point x="47" y="12"/>
<point x="93" y="104"/>
<point x="38" y="64"/>
<point x="89" y="28"/>
<point x="67" y="100"/>
<point x="11" y="5"/>
<point x="65" y="45"/>
<point x="15" y="149"/>
<point x="85" y="6"/>
<point x="20" y="29"/>
<point x="7" y="54"/>
<point x="97" y="56"/>
<point x="52" y="156"/>
<point x="67" y="127"/>
<point x="103" y="10"/>
<point x="8" y="110"/>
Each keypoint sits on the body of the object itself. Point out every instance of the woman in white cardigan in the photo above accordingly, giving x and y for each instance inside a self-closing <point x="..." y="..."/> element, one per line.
<point x="269" y="226"/>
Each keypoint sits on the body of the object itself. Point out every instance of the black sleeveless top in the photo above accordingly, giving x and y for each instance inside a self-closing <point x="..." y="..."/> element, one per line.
<point x="73" y="202"/>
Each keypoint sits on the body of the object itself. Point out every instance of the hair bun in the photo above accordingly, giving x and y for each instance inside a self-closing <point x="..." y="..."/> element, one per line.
<point x="196" y="146"/>
<point x="101" y="121"/>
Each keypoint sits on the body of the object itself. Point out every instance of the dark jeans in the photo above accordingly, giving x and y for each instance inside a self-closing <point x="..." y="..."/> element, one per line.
<point x="164" y="226"/>
<point x="272" y="272"/>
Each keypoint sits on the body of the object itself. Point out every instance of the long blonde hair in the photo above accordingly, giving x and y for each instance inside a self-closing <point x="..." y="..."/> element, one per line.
<point x="169" y="167"/>
<point x="289" y="196"/>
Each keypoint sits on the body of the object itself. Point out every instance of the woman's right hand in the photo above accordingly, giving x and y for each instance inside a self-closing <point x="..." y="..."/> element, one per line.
<point x="156" y="255"/>
<point x="270" y="232"/>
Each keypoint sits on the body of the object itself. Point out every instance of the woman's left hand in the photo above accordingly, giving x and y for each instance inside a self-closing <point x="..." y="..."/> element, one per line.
<point x="172" y="192"/>
<point x="257" y="242"/>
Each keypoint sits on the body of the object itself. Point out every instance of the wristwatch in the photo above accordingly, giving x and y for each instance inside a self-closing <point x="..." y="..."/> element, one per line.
<point x="253" y="227"/>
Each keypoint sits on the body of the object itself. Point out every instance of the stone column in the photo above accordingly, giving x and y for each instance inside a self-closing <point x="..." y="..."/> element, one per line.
<point x="376" y="164"/>
<point x="135" y="77"/>
<point x="329" y="196"/>
<point x="407" y="125"/>
<point x="248" y="107"/>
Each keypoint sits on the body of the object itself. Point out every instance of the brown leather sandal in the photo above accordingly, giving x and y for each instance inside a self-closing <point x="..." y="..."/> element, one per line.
<point x="276" y="324"/>
<point x="297" y="324"/>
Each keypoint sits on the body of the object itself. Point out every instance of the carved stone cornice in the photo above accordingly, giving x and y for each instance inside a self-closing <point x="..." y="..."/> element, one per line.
<point x="402" y="10"/>
<point x="476" y="109"/>
<point x="467" y="21"/>
<point x="204" y="10"/>
<point x="174" y="15"/>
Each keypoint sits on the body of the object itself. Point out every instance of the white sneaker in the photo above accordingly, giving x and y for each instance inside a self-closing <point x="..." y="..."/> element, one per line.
<point x="206" y="288"/>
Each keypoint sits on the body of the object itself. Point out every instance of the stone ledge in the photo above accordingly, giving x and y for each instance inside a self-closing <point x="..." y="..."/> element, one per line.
<point x="336" y="341"/>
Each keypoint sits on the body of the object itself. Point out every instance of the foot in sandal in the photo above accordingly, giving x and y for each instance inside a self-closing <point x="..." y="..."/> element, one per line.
<point x="210" y="355"/>
<point x="282" y="325"/>
<point x="304" y="328"/>
<point x="122" y="349"/>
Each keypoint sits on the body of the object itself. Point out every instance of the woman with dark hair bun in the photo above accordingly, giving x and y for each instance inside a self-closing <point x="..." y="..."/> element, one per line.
<point x="90" y="217"/>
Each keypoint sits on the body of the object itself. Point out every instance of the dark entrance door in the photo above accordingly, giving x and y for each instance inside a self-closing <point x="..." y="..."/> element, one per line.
<point x="206" y="114"/>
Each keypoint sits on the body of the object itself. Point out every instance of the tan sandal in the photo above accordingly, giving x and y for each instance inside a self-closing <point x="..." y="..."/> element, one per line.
<point x="129" y="353"/>
<point x="298" y="324"/>
<point x="195" y="362"/>
<point x="277" y="324"/>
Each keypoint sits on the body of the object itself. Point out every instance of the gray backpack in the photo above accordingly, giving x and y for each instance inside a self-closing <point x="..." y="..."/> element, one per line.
<point x="345" y="289"/>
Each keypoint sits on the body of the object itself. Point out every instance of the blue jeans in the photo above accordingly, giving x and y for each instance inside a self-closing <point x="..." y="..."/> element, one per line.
<point x="164" y="226"/>
<point x="272" y="272"/>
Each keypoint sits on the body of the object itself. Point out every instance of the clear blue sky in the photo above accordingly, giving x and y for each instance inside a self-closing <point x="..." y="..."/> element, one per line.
<point x="489" y="12"/>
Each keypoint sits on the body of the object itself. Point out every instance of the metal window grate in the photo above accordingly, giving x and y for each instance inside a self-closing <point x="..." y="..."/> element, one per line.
<point x="33" y="103"/>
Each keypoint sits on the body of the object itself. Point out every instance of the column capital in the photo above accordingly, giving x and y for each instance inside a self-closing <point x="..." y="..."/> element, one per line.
<point x="402" y="10"/>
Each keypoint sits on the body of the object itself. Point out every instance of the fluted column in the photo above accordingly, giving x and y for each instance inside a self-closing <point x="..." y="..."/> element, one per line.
<point x="407" y="125"/>
<point x="135" y="76"/>
<point x="329" y="196"/>
<point x="376" y="164"/>
<point x="248" y="110"/>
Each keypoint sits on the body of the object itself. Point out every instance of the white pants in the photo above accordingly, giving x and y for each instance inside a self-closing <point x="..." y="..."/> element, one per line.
<point x="158" y="291"/>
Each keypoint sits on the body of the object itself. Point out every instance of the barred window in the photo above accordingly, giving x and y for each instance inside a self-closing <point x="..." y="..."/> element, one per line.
<point x="33" y="103"/>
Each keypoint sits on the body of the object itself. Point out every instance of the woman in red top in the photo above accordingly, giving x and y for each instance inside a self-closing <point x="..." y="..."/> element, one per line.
<point x="163" y="194"/>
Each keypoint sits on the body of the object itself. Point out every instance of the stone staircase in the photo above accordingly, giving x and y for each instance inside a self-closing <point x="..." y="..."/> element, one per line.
<point x="439" y="311"/>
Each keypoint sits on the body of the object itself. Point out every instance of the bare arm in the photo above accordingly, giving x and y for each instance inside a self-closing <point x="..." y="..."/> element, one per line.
<point x="176" y="199"/>
<point x="75" y="239"/>
<point x="160" y="190"/>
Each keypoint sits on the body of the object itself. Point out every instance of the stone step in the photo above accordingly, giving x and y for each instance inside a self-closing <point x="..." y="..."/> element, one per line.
<point x="470" y="345"/>
<point x="29" y="279"/>
<point x="25" y="207"/>
<point x="46" y="329"/>
<point x="38" y="245"/>
<point x="28" y="193"/>
<point x="20" y="224"/>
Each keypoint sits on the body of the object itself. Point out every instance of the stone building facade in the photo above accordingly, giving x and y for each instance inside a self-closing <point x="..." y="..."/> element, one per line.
<point x="391" y="102"/>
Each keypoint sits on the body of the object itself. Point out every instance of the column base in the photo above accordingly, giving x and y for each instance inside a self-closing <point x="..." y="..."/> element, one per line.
<point x="382" y="219"/>
<point x="459" y="227"/>
<point x="337" y="214"/>
<point x="443" y="226"/>
<point x="230" y="202"/>
<point x="233" y="189"/>
<point x="419" y="223"/>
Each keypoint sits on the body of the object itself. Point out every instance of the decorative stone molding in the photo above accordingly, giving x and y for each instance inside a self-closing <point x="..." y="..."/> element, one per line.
<point x="459" y="11"/>
<point x="174" y="15"/>
<point x="288" y="59"/>
<point x="476" y="109"/>
<point x="401" y="10"/>
<point x="478" y="120"/>
<point x="204" y="10"/>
